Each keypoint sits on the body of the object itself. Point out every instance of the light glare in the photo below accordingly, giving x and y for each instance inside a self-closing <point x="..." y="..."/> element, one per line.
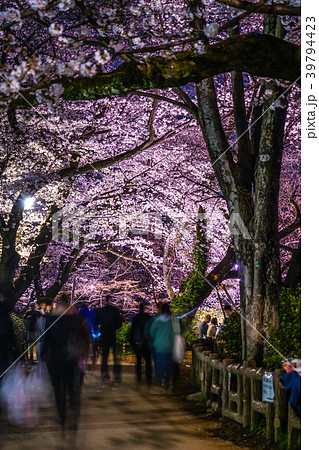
<point x="28" y="202"/>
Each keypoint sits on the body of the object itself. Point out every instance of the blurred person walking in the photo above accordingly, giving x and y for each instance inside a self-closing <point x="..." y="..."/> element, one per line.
<point x="32" y="332"/>
<point x="7" y="339"/>
<point x="162" y="334"/>
<point x="40" y="328"/>
<point x="139" y="342"/>
<point x="8" y="342"/>
<point x="66" y="342"/>
<point x="109" y="319"/>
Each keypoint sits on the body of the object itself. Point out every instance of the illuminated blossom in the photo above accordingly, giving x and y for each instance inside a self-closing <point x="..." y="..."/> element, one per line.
<point x="56" y="29"/>
<point x="211" y="30"/>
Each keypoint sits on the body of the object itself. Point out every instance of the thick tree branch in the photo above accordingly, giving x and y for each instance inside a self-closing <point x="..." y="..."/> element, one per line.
<point x="257" y="54"/>
<point x="31" y="268"/>
<point x="243" y="140"/>
<point x="150" y="124"/>
<point x="215" y="138"/>
<point x="41" y="242"/>
<point x="293" y="277"/>
<point x="101" y="164"/>
<point x="65" y="270"/>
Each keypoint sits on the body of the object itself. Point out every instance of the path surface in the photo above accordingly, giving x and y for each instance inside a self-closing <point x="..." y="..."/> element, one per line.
<point x="120" y="418"/>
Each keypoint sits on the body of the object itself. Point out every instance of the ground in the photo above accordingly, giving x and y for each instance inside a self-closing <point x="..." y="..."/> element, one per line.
<point x="215" y="425"/>
<point x="118" y="417"/>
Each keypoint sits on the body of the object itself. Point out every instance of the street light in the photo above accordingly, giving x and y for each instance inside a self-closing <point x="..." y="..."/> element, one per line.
<point x="28" y="202"/>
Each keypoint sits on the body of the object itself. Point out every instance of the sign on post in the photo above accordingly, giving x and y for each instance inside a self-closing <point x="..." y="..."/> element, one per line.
<point x="267" y="387"/>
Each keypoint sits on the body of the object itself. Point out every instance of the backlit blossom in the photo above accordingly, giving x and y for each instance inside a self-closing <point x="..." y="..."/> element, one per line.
<point x="211" y="30"/>
<point x="56" y="29"/>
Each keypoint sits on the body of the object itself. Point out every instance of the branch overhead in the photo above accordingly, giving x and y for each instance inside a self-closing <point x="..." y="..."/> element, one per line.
<point x="257" y="54"/>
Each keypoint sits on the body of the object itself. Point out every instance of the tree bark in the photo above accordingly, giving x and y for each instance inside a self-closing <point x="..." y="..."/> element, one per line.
<point x="256" y="239"/>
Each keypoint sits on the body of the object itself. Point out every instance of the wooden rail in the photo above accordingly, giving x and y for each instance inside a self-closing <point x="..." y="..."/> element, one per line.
<point x="235" y="391"/>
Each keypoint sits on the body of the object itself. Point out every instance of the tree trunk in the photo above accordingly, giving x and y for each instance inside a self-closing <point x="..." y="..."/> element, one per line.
<point x="251" y="189"/>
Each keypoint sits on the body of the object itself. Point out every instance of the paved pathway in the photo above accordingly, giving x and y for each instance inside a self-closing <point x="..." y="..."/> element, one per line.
<point x="119" y="418"/>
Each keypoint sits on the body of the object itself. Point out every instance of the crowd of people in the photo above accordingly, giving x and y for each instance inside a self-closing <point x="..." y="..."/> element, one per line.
<point x="65" y="338"/>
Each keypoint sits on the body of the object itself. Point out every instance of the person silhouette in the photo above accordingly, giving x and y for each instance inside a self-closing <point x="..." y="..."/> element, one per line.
<point x="109" y="319"/>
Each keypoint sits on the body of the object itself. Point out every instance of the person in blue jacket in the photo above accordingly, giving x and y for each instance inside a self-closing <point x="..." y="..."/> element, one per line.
<point x="162" y="335"/>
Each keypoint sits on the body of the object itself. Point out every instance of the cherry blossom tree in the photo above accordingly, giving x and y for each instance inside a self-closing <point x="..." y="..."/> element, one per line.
<point x="70" y="60"/>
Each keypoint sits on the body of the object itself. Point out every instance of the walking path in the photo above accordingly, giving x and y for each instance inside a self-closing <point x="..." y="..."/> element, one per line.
<point x="119" y="417"/>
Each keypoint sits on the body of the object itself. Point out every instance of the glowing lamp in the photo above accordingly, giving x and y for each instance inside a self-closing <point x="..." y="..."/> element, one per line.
<point x="28" y="202"/>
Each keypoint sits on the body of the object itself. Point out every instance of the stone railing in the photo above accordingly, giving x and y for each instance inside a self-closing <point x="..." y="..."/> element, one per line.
<point x="235" y="391"/>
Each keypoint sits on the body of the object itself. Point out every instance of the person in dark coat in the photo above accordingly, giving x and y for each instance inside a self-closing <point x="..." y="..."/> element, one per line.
<point x="31" y="323"/>
<point x="66" y="341"/>
<point x="109" y="319"/>
<point x="228" y="313"/>
<point x="140" y="345"/>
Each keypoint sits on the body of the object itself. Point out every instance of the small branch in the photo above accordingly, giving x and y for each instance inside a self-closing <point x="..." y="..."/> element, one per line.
<point x="130" y="258"/>
<point x="287" y="248"/>
<point x="166" y="99"/>
<point x="188" y="104"/>
<point x="281" y="10"/>
<point x="150" y="124"/>
<point x="229" y="297"/>
<point x="220" y="302"/>
<point x="295" y="225"/>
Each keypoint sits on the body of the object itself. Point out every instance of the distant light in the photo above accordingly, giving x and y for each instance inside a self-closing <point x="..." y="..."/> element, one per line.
<point x="257" y="265"/>
<point x="28" y="202"/>
<point x="92" y="286"/>
<point x="236" y="266"/>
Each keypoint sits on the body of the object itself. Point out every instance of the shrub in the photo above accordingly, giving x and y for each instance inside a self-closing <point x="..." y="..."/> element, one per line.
<point x="190" y="337"/>
<point x="18" y="328"/>
<point x="287" y="339"/>
<point x="123" y="336"/>
<point x="230" y="337"/>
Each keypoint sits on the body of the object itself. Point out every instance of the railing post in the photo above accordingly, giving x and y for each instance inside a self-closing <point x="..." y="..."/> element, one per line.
<point x="246" y="399"/>
<point x="212" y="377"/>
<point x="280" y="405"/>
